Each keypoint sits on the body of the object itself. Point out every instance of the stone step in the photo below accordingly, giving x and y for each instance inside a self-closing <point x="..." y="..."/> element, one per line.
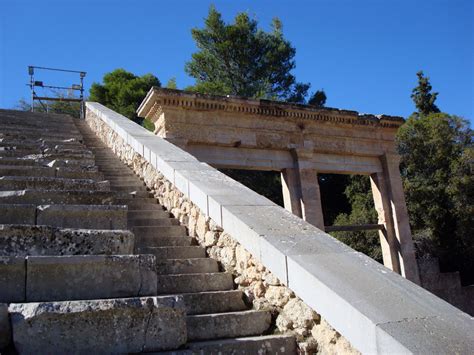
<point x="79" y="277"/>
<point x="152" y="222"/>
<point x="83" y="216"/>
<point x="138" y="204"/>
<point x="162" y="241"/>
<point x="8" y="183"/>
<point x="115" y="326"/>
<point x="189" y="283"/>
<point x="261" y="345"/>
<point x="139" y="194"/>
<point x="186" y="266"/>
<point x="180" y="252"/>
<point x="73" y="197"/>
<point x="47" y="161"/>
<point x="23" y="240"/>
<point x="227" y="325"/>
<point x="214" y="302"/>
<point x="129" y="188"/>
<point x="157" y="212"/>
<point x="159" y="231"/>
<point x="42" y="171"/>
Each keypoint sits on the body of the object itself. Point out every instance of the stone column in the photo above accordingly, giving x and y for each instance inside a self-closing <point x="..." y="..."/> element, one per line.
<point x="311" y="206"/>
<point x="388" y="238"/>
<point x="291" y="191"/>
<point x="395" y="211"/>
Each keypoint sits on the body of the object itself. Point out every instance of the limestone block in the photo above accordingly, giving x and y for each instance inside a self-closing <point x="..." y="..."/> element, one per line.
<point x="353" y="286"/>
<point x="89" y="277"/>
<point x="109" y="326"/>
<point x="83" y="216"/>
<point x="17" y="213"/>
<point x="48" y="183"/>
<point x="5" y="331"/>
<point x="22" y="240"/>
<point x="12" y="279"/>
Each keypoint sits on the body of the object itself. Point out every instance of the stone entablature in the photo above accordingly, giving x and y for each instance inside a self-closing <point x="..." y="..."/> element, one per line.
<point x="299" y="141"/>
<point x="375" y="309"/>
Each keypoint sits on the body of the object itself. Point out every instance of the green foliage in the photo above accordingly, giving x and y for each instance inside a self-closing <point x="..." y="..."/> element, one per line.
<point x="423" y="97"/>
<point x="123" y="91"/>
<point x="148" y="125"/>
<point x="318" y="99"/>
<point x="171" y="84"/>
<point x="359" y="195"/>
<point x="241" y="59"/>
<point x="437" y="157"/>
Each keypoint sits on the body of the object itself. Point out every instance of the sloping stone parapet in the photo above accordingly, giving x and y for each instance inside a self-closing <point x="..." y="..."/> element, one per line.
<point x="276" y="255"/>
<point x="23" y="240"/>
<point x="114" y="326"/>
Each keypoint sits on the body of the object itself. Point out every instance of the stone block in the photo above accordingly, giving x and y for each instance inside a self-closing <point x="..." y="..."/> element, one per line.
<point x="355" y="294"/>
<point x="17" y="213"/>
<point x="49" y="183"/>
<point x="83" y="216"/>
<point x="57" y="278"/>
<point x="12" y="279"/>
<point x="5" y="331"/>
<point x="112" y="326"/>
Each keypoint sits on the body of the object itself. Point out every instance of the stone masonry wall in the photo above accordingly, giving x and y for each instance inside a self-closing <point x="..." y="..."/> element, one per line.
<point x="262" y="289"/>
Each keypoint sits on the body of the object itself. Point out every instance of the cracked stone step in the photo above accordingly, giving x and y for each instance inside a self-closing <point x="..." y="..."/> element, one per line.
<point x="188" y="283"/>
<point x="152" y="222"/>
<point x="179" y="252"/>
<point x="227" y="325"/>
<point x="80" y="277"/>
<point x="23" y="240"/>
<point x="261" y="345"/>
<point x="186" y="266"/>
<point x="113" y="326"/>
<point x="51" y="183"/>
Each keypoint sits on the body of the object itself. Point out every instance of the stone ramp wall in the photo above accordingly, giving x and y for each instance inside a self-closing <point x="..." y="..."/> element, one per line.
<point x="276" y="254"/>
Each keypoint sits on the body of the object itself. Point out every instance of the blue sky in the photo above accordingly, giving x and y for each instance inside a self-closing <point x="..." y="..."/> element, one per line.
<point x="365" y="54"/>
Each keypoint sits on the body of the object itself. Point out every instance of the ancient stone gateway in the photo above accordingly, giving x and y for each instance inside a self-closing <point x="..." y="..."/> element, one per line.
<point x="299" y="141"/>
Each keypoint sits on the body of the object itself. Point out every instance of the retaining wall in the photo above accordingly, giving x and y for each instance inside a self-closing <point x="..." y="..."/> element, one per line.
<point x="277" y="256"/>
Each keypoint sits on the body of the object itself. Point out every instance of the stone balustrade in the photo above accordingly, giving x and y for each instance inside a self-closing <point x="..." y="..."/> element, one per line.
<point x="375" y="309"/>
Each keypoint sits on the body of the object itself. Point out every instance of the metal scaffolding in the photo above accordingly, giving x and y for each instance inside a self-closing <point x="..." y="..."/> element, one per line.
<point x="74" y="87"/>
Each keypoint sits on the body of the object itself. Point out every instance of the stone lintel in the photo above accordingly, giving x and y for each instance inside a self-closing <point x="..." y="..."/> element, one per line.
<point x="171" y="98"/>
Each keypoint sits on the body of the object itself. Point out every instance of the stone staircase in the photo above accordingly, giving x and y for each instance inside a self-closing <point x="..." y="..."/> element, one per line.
<point x="89" y="262"/>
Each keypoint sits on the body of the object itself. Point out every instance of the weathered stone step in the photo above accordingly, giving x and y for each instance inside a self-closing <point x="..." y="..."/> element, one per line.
<point x="139" y="194"/>
<point x="51" y="183"/>
<point x="37" y="133"/>
<point x="42" y="171"/>
<point x="129" y="188"/>
<point x="139" y="204"/>
<point x="23" y="240"/>
<point x="182" y="252"/>
<point x="152" y="222"/>
<point x="157" y="212"/>
<point x="78" y="277"/>
<point x="227" y="325"/>
<point x="115" y="326"/>
<point x="163" y="241"/>
<point x="159" y="231"/>
<point x="214" y="302"/>
<point x="261" y="345"/>
<point x="186" y="266"/>
<point x="188" y="283"/>
<point x="66" y="216"/>
<point x="72" y="197"/>
<point x="47" y="161"/>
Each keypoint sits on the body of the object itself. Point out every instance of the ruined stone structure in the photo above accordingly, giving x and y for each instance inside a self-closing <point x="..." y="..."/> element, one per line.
<point x="91" y="263"/>
<point x="300" y="142"/>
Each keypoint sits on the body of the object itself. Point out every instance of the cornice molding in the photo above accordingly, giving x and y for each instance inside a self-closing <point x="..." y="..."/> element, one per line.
<point x="160" y="98"/>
